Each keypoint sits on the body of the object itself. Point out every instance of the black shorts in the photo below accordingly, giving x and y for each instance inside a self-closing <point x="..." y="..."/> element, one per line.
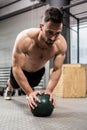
<point x="33" y="78"/>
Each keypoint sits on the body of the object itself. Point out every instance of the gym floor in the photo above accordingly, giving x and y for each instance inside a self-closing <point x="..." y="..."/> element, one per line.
<point x="69" y="114"/>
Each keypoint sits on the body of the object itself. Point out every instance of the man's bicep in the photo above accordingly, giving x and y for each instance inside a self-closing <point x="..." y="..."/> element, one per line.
<point x="17" y="58"/>
<point x="58" y="61"/>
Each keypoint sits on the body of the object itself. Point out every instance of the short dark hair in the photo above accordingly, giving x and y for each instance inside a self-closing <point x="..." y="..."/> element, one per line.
<point x="53" y="14"/>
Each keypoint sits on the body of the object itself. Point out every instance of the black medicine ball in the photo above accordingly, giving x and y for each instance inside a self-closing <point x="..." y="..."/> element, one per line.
<point x="44" y="108"/>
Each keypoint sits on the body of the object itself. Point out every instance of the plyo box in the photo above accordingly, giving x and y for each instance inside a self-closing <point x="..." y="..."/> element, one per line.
<point x="73" y="81"/>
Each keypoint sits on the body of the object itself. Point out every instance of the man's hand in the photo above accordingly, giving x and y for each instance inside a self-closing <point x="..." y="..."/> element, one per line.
<point x="51" y="97"/>
<point x="31" y="99"/>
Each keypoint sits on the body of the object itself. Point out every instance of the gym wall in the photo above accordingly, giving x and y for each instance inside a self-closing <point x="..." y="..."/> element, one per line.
<point x="9" y="29"/>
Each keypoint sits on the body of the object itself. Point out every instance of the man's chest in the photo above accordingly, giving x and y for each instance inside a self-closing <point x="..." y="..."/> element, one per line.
<point x="41" y="54"/>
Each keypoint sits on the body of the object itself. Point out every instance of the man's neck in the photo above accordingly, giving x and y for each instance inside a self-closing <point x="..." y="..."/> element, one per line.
<point x="41" y="43"/>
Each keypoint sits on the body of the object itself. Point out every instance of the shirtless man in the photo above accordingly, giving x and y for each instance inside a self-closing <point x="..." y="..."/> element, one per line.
<point x="33" y="48"/>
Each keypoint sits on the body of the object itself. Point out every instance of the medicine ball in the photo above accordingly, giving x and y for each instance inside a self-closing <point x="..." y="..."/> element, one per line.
<point x="44" y="108"/>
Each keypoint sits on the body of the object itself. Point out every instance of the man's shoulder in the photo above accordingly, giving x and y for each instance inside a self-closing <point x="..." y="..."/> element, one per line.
<point x="62" y="39"/>
<point x="27" y="35"/>
<point x="61" y="44"/>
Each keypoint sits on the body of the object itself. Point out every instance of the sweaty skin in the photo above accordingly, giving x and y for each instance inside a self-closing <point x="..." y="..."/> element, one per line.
<point x="33" y="48"/>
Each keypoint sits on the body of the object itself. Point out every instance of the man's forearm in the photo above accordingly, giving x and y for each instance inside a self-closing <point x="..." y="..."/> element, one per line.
<point x="54" y="78"/>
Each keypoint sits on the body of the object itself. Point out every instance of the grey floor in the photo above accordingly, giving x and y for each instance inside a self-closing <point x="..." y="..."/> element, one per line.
<point x="69" y="114"/>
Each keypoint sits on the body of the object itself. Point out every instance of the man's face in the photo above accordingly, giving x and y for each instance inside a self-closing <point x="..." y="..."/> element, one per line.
<point x="50" y="32"/>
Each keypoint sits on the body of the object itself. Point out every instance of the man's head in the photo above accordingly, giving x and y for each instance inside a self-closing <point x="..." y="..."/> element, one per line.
<point x="52" y="25"/>
<point x="54" y="15"/>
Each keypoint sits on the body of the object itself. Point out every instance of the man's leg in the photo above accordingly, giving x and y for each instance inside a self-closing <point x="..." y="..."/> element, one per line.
<point x="8" y="91"/>
<point x="9" y="86"/>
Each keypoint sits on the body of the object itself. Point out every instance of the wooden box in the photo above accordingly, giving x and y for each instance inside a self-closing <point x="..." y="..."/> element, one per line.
<point x="72" y="82"/>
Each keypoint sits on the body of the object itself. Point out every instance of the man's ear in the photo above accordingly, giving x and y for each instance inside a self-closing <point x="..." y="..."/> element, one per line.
<point x="41" y="26"/>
